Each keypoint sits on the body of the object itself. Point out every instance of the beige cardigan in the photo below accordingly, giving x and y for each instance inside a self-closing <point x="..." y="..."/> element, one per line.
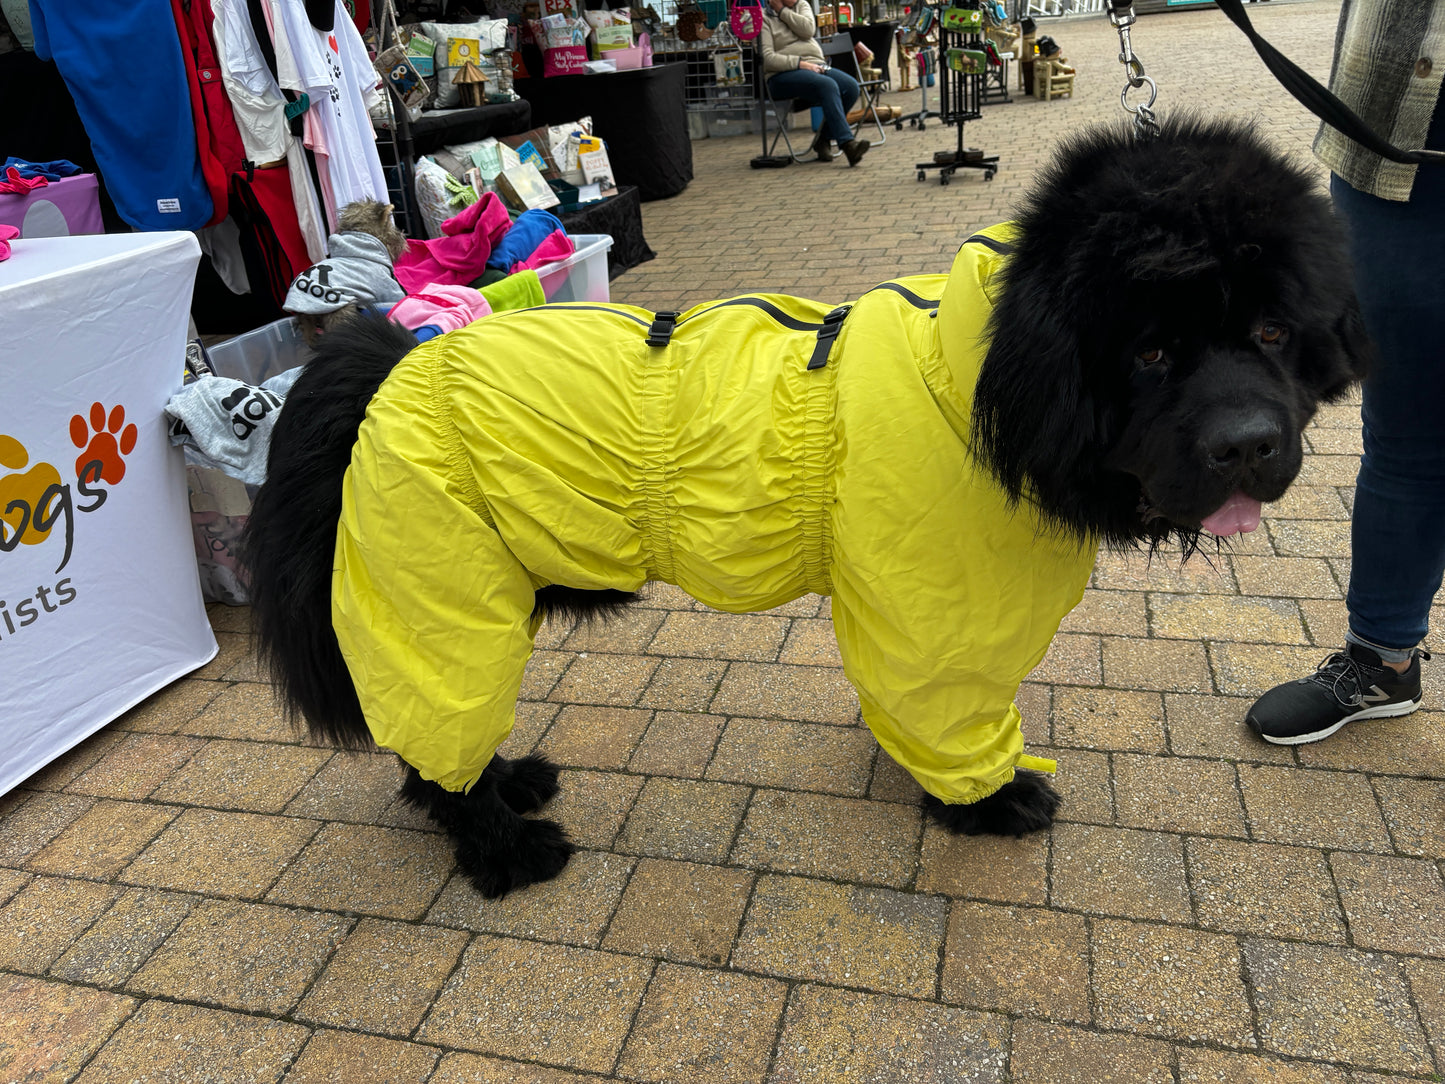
<point x="788" y="38"/>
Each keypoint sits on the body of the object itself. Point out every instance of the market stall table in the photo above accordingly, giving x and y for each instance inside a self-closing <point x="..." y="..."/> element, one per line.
<point x="100" y="601"/>
<point x="638" y="112"/>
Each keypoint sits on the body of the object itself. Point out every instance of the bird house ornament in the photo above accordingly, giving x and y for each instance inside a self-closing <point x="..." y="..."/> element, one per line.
<point x="472" y="82"/>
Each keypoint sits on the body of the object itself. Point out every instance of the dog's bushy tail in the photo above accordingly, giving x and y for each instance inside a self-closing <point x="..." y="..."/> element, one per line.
<point x="290" y="537"/>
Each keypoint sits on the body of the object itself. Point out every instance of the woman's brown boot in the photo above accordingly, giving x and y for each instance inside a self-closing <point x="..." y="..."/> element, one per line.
<point x="854" y="150"/>
<point x="822" y="145"/>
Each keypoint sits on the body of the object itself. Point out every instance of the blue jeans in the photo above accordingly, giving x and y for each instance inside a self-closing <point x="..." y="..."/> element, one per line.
<point x="832" y="91"/>
<point x="1398" y="524"/>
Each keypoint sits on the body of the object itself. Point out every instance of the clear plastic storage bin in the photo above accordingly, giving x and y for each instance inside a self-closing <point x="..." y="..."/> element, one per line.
<point x="582" y="276"/>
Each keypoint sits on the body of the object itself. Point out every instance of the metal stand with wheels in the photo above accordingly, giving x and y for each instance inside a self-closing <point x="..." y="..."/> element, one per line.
<point x="961" y="94"/>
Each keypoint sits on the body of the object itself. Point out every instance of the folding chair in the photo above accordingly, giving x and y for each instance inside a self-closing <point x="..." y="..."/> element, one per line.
<point x="839" y="52"/>
<point x="782" y="109"/>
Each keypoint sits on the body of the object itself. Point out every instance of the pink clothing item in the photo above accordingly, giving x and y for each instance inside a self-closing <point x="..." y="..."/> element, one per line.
<point x="441" y="305"/>
<point x="460" y="255"/>
<point x="13" y="182"/>
<point x="555" y="246"/>
<point x="7" y="234"/>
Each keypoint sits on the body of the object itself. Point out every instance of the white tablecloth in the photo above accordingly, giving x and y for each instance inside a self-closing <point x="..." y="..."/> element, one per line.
<point x="100" y="603"/>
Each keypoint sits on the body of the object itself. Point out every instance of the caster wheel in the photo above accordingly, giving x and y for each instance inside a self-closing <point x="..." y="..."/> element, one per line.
<point x="921" y="126"/>
<point x="898" y="126"/>
<point x="943" y="178"/>
<point x="922" y="176"/>
<point x="988" y="176"/>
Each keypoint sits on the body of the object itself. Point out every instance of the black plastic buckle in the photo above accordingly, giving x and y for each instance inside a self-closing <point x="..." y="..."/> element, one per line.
<point x="832" y="324"/>
<point x="660" y="332"/>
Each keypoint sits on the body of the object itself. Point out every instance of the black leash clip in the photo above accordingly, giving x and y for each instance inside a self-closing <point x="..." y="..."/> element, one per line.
<point x="660" y="333"/>
<point x="832" y="324"/>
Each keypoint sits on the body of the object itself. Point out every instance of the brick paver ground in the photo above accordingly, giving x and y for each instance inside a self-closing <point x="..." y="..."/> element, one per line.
<point x="196" y="894"/>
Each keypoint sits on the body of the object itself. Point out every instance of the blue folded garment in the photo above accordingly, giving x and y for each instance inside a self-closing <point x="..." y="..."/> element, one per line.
<point x="51" y="171"/>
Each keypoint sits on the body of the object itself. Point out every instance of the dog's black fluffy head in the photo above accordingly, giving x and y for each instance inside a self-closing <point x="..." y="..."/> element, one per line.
<point x="1173" y="313"/>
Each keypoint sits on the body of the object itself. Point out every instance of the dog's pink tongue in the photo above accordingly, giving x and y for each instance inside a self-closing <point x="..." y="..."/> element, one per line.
<point x="1238" y="515"/>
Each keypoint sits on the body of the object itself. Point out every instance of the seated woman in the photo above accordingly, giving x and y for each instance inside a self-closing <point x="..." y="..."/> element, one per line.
<point x="793" y="61"/>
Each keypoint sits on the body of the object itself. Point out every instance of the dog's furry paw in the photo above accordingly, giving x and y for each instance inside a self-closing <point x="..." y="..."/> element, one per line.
<point x="1026" y="804"/>
<point x="540" y="852"/>
<point x="527" y="783"/>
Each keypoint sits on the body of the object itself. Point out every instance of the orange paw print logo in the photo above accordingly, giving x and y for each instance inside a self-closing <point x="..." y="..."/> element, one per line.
<point x="20" y="494"/>
<point x="104" y="440"/>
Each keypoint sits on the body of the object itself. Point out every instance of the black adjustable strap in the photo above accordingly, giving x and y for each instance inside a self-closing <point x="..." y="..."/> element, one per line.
<point x="832" y="324"/>
<point x="1317" y="99"/>
<point x="660" y="333"/>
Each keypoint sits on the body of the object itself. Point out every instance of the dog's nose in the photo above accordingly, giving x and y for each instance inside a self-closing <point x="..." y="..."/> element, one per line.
<point x="1243" y="440"/>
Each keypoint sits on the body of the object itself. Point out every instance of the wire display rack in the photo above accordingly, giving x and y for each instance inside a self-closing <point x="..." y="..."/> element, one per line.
<point x="962" y="61"/>
<point x="722" y="82"/>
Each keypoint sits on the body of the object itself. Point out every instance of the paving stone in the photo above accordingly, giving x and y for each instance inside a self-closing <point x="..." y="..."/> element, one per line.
<point x="134" y="766"/>
<point x="48" y="1029"/>
<point x="220" y="854"/>
<point x="1415" y="814"/>
<point x="1263" y="888"/>
<point x="529" y="724"/>
<point x="1167" y="981"/>
<point x="1335" y="441"/>
<point x="30" y="826"/>
<point x="1135" y="572"/>
<point x="1163" y="665"/>
<point x="1117" y="871"/>
<point x="1226" y="617"/>
<point x="256" y="776"/>
<point x="1172" y="794"/>
<point x="249" y="710"/>
<point x="591" y="806"/>
<point x="1083" y="783"/>
<point x="1049" y="1054"/>
<point x="1109" y="719"/>
<point x="1375" y="744"/>
<point x="1309" y="538"/>
<point x="544" y="669"/>
<point x="1321" y="809"/>
<point x="845" y="838"/>
<point x="1017" y="960"/>
<point x="811" y="642"/>
<point x="1288" y="577"/>
<point x="677" y="743"/>
<point x="1309" y="502"/>
<point x="585" y="737"/>
<point x="1329" y="470"/>
<point x="1113" y="613"/>
<point x="748" y="637"/>
<point x="1198" y="1066"/>
<point x="892" y="783"/>
<point x="1427" y="985"/>
<point x="248" y="956"/>
<point x="681" y="818"/>
<point x="45" y="916"/>
<point x="377" y="871"/>
<point x="628" y="633"/>
<point x="11" y="882"/>
<point x="165" y="1042"/>
<point x="337" y="1055"/>
<point x="1248" y="670"/>
<point x="473" y="1069"/>
<point x="846" y="1037"/>
<point x="384" y="977"/>
<point x="1072" y="659"/>
<point x="1325" y="621"/>
<point x="121" y="940"/>
<point x="1394" y="904"/>
<point x="680" y="911"/>
<point x="705" y="1027"/>
<point x="164" y="712"/>
<point x="799" y="756"/>
<point x="351" y="786"/>
<point x="572" y="908"/>
<point x="103" y="840"/>
<point x="985" y="867"/>
<point x="1334" y="1004"/>
<point x="683" y="684"/>
<point x="1213" y="726"/>
<point x="875" y="938"/>
<point x="604" y="679"/>
<point x="813" y="694"/>
<point x="577" y="1003"/>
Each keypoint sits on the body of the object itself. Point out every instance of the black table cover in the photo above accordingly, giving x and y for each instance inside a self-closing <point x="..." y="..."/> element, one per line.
<point x="620" y="217"/>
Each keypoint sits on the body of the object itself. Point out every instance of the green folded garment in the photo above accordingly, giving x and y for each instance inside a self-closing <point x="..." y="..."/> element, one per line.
<point x="519" y="291"/>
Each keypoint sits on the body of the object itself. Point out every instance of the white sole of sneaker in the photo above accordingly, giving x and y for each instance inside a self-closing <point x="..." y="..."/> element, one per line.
<point x="1384" y="711"/>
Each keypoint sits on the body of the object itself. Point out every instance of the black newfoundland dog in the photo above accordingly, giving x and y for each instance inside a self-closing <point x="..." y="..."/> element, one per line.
<point x="1168" y="318"/>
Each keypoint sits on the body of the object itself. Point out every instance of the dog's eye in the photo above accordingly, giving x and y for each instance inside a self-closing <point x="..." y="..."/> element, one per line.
<point x="1149" y="357"/>
<point x="1272" y="334"/>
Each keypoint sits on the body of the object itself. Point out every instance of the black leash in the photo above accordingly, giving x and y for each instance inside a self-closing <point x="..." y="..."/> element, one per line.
<point x="1317" y="99"/>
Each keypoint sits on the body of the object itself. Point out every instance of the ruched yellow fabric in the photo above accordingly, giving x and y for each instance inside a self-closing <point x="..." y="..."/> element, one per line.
<point x="555" y="446"/>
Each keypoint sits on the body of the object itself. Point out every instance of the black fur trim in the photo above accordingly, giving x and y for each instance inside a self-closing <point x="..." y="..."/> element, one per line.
<point x="1026" y="804"/>
<point x="576" y="604"/>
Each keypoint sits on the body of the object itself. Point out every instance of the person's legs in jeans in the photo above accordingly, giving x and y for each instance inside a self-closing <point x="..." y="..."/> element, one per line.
<point x="832" y="91"/>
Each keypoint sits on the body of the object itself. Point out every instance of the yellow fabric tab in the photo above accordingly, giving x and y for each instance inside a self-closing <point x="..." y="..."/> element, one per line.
<point x="1038" y="764"/>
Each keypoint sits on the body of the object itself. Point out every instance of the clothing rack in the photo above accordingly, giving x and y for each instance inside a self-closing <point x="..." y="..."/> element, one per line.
<point x="925" y="29"/>
<point x="962" y="62"/>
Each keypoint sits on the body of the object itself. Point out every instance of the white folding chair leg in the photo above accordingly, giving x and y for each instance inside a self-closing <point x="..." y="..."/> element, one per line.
<point x="868" y="95"/>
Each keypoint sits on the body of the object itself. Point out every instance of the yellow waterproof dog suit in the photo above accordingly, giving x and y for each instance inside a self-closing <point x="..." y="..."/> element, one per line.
<point x="748" y="451"/>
